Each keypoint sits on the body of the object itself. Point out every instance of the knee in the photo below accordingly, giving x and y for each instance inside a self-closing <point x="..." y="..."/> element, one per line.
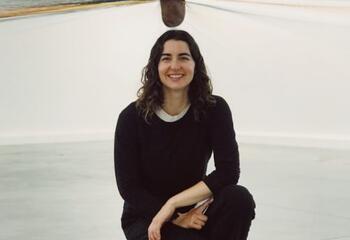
<point x="239" y="199"/>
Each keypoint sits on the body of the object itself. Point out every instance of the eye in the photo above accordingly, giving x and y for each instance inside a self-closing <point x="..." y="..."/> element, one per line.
<point x="185" y="58"/>
<point x="164" y="59"/>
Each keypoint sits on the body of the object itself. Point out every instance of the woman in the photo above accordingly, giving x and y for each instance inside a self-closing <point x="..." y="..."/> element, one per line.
<point x="163" y="143"/>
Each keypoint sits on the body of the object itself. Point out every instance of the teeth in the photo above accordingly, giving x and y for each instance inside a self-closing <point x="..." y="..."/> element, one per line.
<point x="175" y="75"/>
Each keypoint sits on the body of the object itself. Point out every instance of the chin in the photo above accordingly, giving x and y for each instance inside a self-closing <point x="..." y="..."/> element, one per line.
<point x="174" y="87"/>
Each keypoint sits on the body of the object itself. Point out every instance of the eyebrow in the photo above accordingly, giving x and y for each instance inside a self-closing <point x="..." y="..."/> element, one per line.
<point x="181" y="54"/>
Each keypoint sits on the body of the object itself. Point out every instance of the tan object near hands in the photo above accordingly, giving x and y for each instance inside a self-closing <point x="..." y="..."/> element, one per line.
<point x="173" y="12"/>
<point x="203" y="205"/>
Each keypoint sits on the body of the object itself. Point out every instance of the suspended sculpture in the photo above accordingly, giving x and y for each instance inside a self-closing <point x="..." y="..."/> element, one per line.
<point x="173" y="12"/>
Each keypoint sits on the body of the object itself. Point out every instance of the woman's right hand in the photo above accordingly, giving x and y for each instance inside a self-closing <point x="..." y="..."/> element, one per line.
<point x="194" y="218"/>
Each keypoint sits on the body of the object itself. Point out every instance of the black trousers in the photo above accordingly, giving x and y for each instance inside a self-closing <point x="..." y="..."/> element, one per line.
<point x="229" y="218"/>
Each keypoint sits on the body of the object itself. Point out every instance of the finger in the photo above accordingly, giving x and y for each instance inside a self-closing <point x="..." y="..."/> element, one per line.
<point x="153" y="237"/>
<point x="158" y="234"/>
<point x="151" y="232"/>
<point x="150" y="236"/>
<point x="196" y="226"/>
<point x="199" y="222"/>
<point x="202" y="217"/>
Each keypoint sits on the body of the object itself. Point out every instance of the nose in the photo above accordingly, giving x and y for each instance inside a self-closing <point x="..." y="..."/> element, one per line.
<point x="174" y="64"/>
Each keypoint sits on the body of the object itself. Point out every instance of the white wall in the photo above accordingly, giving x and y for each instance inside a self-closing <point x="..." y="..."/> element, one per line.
<point x="283" y="69"/>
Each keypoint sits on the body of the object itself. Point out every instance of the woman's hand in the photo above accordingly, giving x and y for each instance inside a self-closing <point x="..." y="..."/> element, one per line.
<point x="162" y="216"/>
<point x="194" y="218"/>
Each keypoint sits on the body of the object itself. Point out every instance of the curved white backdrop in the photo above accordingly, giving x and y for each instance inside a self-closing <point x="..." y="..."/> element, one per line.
<point x="283" y="68"/>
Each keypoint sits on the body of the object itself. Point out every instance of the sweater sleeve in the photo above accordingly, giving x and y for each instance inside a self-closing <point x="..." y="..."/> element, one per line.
<point x="126" y="163"/>
<point x="225" y="148"/>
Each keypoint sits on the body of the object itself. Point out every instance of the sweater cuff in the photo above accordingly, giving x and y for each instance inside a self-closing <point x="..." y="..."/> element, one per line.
<point x="211" y="184"/>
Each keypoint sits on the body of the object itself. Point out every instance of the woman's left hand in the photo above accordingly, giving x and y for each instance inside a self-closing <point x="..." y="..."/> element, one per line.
<point x="162" y="216"/>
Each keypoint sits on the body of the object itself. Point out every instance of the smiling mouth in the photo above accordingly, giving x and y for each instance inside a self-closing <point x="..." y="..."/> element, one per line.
<point x="175" y="76"/>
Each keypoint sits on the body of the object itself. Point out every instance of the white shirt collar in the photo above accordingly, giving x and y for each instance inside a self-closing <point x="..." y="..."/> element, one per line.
<point x="171" y="118"/>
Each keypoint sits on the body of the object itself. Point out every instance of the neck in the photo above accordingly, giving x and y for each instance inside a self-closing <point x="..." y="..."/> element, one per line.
<point x="175" y="102"/>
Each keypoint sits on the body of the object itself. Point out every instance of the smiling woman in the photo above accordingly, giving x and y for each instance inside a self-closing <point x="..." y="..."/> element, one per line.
<point x="23" y="8"/>
<point x="163" y="142"/>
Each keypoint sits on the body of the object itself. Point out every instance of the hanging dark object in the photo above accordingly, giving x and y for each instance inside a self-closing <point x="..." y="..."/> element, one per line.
<point x="173" y="12"/>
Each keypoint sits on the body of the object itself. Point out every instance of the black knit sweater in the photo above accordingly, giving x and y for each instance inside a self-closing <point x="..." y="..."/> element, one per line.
<point x="155" y="161"/>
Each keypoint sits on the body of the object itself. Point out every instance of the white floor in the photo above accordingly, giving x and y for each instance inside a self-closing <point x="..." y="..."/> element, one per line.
<point x="68" y="191"/>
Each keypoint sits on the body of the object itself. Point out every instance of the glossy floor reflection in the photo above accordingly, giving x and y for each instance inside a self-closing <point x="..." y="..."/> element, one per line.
<point x="68" y="191"/>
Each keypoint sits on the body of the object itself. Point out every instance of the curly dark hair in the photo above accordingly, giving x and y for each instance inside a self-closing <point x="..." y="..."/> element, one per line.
<point x="150" y="95"/>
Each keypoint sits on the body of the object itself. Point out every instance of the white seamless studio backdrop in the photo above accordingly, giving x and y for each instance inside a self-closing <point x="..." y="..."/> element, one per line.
<point x="283" y="66"/>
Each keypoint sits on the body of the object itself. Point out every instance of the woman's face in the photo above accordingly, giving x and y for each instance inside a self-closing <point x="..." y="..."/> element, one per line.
<point x="176" y="66"/>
